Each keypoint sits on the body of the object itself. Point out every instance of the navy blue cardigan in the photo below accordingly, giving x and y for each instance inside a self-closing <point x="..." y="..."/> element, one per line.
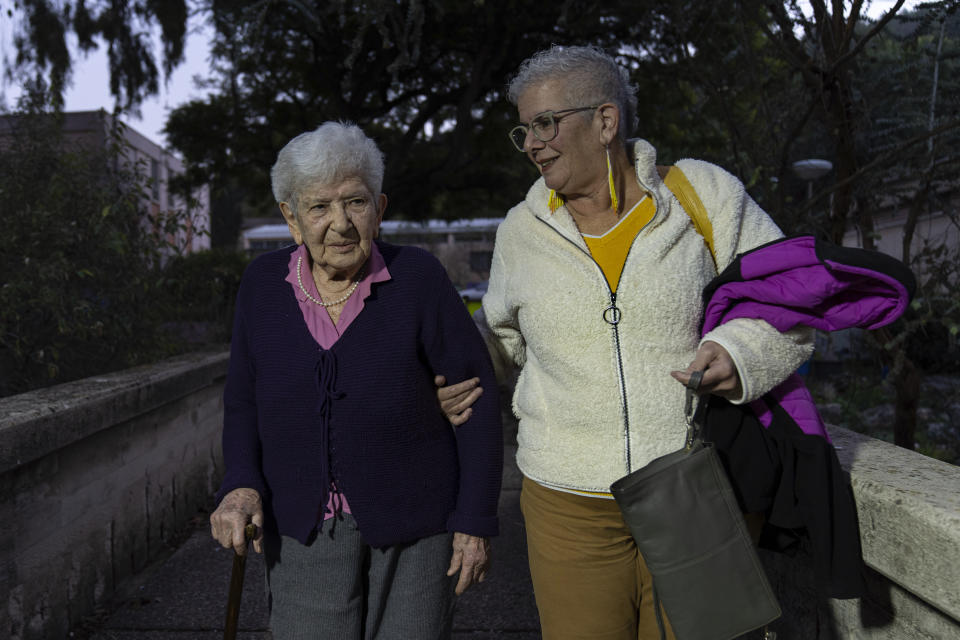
<point x="363" y="413"/>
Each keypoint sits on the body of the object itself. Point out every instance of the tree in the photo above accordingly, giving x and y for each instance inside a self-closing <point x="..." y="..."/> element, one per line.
<point x="750" y="84"/>
<point x="876" y="103"/>
<point x="44" y="61"/>
<point x="76" y="257"/>
<point x="914" y="64"/>
<point x="425" y="79"/>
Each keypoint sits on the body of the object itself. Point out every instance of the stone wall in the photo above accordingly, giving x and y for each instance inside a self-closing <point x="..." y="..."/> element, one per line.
<point x="909" y="511"/>
<point x="96" y="477"/>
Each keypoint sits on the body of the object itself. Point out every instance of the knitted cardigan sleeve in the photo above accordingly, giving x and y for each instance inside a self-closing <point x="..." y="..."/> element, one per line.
<point x="764" y="357"/>
<point x="455" y="349"/>
<point x="241" y="440"/>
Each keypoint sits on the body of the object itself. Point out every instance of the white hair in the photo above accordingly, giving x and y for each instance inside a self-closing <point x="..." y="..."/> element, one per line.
<point x="589" y="77"/>
<point x="330" y="153"/>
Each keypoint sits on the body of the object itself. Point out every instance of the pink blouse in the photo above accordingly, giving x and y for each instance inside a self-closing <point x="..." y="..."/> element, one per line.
<point x="322" y="328"/>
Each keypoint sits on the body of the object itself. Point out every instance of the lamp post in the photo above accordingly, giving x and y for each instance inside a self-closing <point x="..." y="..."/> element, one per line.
<point x="810" y="170"/>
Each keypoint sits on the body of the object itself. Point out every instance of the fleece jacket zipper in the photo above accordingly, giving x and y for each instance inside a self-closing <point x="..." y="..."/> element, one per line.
<point x="611" y="315"/>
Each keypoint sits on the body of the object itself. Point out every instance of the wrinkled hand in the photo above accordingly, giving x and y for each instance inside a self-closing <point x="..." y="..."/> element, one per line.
<point x="237" y="508"/>
<point x="456" y="399"/>
<point x="471" y="557"/>
<point x="720" y="375"/>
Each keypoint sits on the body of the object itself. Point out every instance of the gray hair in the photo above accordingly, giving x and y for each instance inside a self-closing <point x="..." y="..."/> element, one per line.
<point x="589" y="76"/>
<point x="332" y="152"/>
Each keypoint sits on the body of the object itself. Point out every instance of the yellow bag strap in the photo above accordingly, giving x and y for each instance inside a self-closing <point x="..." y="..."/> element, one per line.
<point x="684" y="192"/>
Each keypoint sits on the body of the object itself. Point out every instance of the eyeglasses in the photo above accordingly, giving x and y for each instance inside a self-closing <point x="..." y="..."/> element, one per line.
<point x="543" y="125"/>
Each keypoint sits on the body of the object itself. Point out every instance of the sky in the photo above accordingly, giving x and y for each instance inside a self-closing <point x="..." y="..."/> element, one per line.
<point x="91" y="90"/>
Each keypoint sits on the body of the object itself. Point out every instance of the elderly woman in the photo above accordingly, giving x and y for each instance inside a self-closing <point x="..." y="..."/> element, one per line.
<point x="373" y="510"/>
<point x="595" y="293"/>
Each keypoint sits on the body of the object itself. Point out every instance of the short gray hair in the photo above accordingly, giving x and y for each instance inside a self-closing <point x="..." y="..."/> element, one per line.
<point x="332" y="152"/>
<point x="589" y="76"/>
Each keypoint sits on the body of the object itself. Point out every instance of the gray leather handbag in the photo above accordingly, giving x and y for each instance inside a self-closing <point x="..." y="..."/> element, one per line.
<point x="684" y="517"/>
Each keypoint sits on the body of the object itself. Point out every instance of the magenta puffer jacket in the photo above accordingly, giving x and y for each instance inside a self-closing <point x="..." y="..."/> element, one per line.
<point x="776" y="449"/>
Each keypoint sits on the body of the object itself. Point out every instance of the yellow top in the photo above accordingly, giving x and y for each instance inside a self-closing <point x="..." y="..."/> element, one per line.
<point x="610" y="250"/>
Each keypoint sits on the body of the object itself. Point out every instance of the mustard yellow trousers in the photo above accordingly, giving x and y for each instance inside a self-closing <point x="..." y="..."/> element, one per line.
<point x="589" y="580"/>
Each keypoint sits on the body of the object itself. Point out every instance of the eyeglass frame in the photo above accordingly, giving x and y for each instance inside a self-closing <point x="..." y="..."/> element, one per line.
<point x="552" y="115"/>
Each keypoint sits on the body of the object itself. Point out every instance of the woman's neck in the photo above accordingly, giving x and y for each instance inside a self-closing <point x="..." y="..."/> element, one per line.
<point x="593" y="211"/>
<point x="331" y="282"/>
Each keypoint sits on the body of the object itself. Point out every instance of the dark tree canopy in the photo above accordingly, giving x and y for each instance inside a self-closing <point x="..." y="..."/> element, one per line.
<point x="750" y="84"/>
<point x="753" y="85"/>
<point x="426" y="79"/>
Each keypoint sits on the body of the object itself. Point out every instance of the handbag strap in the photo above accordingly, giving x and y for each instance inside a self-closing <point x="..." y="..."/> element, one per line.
<point x="693" y="429"/>
<point x="690" y="202"/>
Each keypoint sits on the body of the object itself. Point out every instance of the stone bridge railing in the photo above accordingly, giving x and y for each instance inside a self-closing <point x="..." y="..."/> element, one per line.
<point x="97" y="477"/>
<point x="909" y="511"/>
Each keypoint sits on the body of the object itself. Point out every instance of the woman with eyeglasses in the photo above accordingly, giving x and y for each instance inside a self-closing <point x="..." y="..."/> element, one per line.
<point x="595" y="294"/>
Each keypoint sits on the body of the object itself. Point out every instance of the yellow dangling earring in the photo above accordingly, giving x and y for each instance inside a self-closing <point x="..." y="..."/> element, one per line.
<point x="556" y="201"/>
<point x="614" y="203"/>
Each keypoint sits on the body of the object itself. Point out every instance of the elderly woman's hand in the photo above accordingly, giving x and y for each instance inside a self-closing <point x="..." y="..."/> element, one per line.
<point x="238" y="508"/>
<point x="720" y="375"/>
<point x="471" y="557"/>
<point x="456" y="399"/>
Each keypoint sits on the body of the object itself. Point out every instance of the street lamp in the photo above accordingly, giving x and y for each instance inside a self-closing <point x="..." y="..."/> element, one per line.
<point x="810" y="170"/>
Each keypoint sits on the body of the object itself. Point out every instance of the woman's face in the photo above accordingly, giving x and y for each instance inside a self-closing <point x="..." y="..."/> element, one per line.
<point x="338" y="223"/>
<point x="573" y="161"/>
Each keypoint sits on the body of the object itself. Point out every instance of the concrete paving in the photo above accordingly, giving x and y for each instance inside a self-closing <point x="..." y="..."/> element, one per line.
<point x="184" y="596"/>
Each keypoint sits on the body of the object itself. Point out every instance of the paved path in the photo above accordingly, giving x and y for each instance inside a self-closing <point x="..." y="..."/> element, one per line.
<point x="184" y="597"/>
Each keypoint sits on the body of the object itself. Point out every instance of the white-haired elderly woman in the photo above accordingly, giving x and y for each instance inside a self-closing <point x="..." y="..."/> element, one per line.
<point x="374" y="511"/>
<point x="595" y="293"/>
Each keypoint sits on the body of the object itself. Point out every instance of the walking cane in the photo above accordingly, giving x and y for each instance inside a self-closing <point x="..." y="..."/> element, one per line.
<point x="236" y="585"/>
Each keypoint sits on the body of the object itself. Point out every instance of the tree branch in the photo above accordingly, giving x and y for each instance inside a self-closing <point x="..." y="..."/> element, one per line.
<point x="881" y="159"/>
<point x="876" y="29"/>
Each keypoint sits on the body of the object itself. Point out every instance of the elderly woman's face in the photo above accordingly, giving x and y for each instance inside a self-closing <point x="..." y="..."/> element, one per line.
<point x="338" y="223"/>
<point x="571" y="161"/>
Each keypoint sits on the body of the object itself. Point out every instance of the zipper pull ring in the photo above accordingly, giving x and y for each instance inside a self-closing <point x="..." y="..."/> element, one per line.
<point x="612" y="314"/>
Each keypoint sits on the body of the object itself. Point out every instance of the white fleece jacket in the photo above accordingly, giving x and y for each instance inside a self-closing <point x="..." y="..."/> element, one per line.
<point x="596" y="401"/>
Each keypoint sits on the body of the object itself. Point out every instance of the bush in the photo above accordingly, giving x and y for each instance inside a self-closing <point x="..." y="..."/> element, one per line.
<point x="199" y="294"/>
<point x="79" y="258"/>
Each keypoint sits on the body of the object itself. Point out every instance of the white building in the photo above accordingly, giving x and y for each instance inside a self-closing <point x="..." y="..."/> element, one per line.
<point x="932" y="230"/>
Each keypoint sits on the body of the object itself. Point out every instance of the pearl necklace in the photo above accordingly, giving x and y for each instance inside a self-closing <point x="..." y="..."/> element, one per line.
<point x="321" y="302"/>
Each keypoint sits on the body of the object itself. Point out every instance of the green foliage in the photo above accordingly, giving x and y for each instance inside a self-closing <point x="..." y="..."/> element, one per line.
<point x="911" y="74"/>
<point x="75" y="264"/>
<point x="849" y="398"/>
<point x="714" y="85"/>
<point x="426" y="80"/>
<point x="81" y="256"/>
<point x="860" y="398"/>
<point x="750" y="84"/>
<point x="200" y="290"/>
<point x="927" y="331"/>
